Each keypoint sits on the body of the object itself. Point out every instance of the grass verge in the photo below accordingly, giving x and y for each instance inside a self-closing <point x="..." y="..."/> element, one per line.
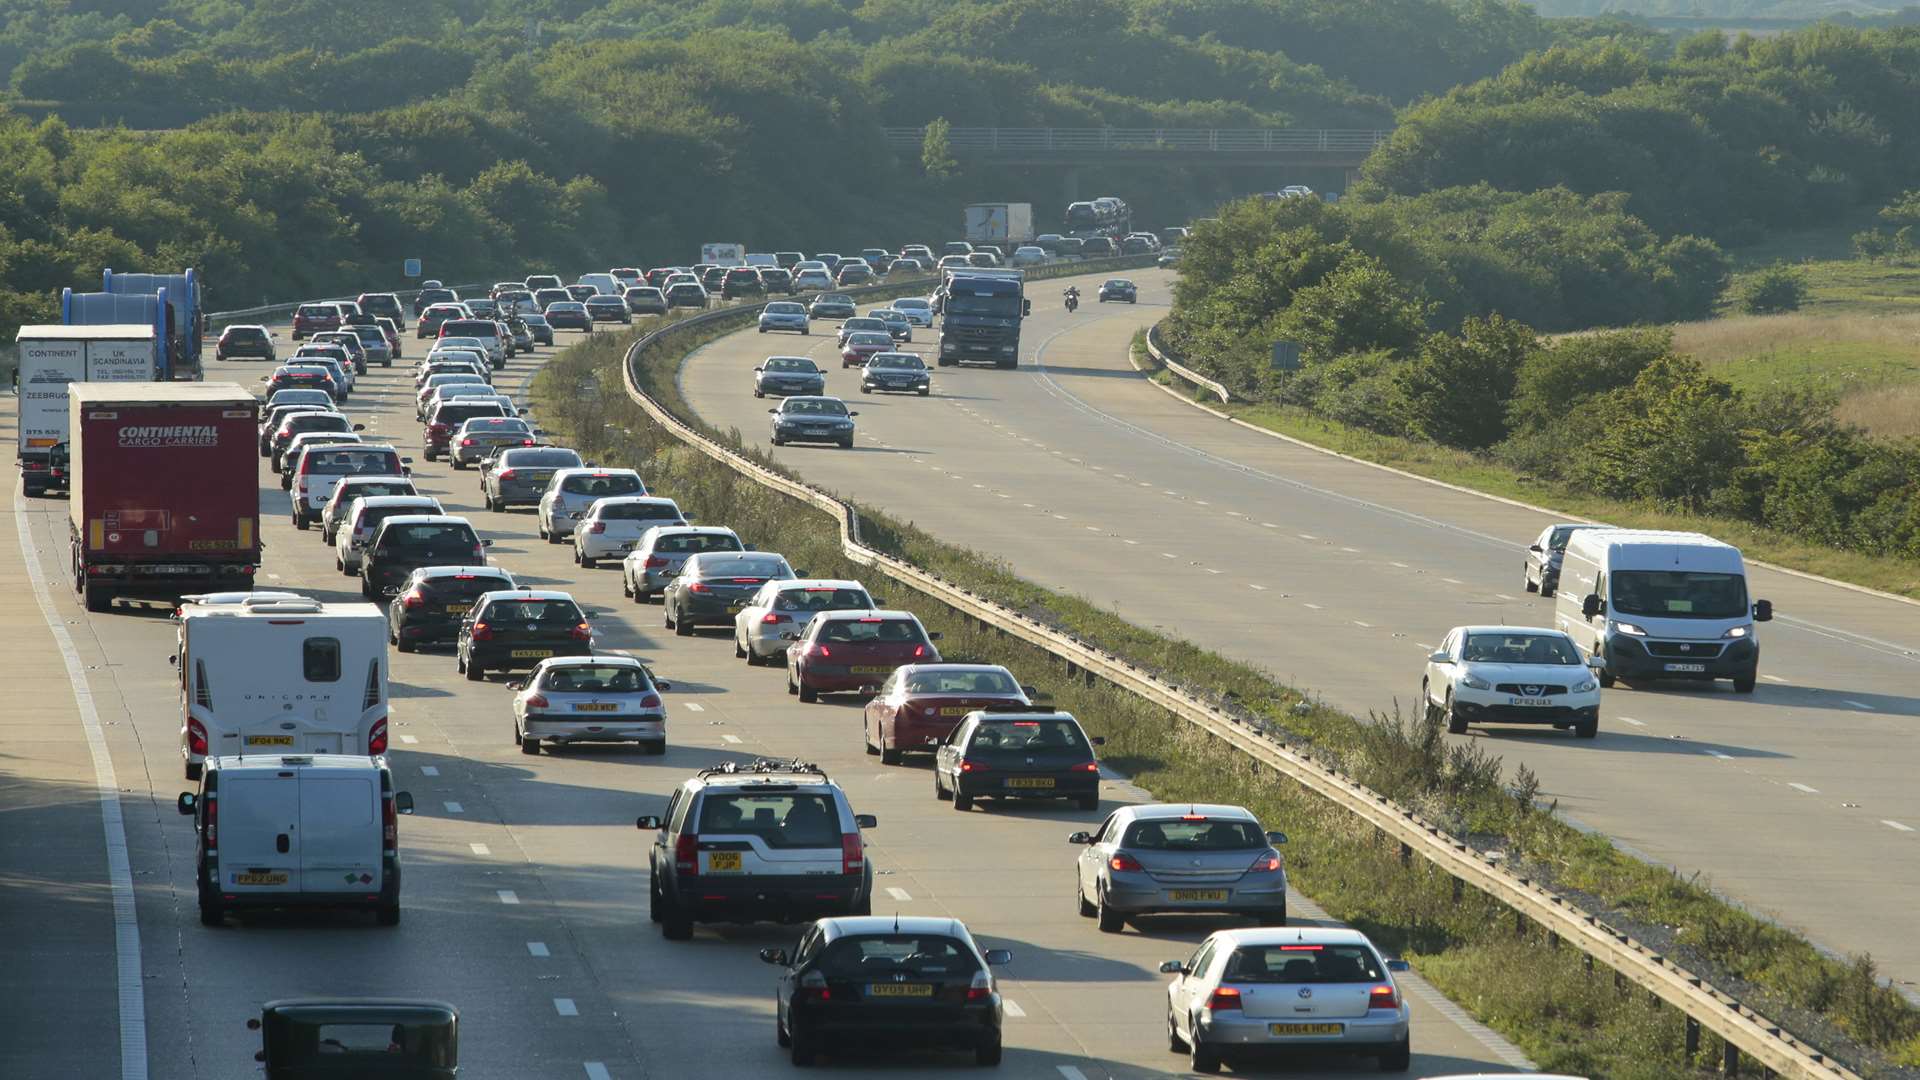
<point x="1542" y="998"/>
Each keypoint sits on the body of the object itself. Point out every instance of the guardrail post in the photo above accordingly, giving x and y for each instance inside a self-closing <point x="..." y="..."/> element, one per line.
<point x="1729" y="1059"/>
<point x="1460" y="888"/>
<point x="1406" y="854"/>
<point x="1693" y="1038"/>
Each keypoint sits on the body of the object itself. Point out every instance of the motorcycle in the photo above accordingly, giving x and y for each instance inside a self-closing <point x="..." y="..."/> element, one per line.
<point x="1073" y="301"/>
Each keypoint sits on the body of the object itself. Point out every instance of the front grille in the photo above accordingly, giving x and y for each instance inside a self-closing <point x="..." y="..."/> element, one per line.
<point x="1529" y="689"/>
<point x="1685" y="650"/>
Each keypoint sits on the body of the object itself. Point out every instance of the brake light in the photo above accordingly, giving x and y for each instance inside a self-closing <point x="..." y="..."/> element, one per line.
<point x="413" y="599"/>
<point x="597" y="527"/>
<point x="1225" y="998"/>
<point x="482" y="632"/>
<point x="377" y="739"/>
<point x="969" y="765"/>
<point x="699" y="586"/>
<point x="479" y="554"/>
<point x="197" y="737"/>
<point x="654" y="562"/>
<point x="686" y="855"/>
<point x="390" y="823"/>
<point x="651" y="701"/>
<point x="1124" y="863"/>
<point x="853" y="854"/>
<point x="212" y="806"/>
<point x="466" y="442"/>
<point x="772" y="617"/>
<point x="982" y="988"/>
<point x="1086" y="766"/>
<point x="1383" y="997"/>
<point x="526" y="442"/>
<point x="537" y="701"/>
<point x="824" y="651"/>
<point x="504" y="474"/>
<point x="919" y="650"/>
<point x="813" y="987"/>
<point x="1265" y="863"/>
<point x="580" y="632"/>
<point x="436" y="429"/>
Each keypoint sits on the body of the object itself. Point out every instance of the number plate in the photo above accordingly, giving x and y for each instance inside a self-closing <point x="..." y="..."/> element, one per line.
<point x="956" y="710"/>
<point x="1285" y="1030"/>
<point x="870" y="669"/>
<point x="913" y="990"/>
<point x="596" y="706"/>
<point x="532" y="654"/>
<point x="269" y="740"/>
<point x="459" y="609"/>
<point x="1196" y="894"/>
<point x="277" y="877"/>
<point x="1530" y="701"/>
<point x="1030" y="781"/>
<point x="723" y="862"/>
<point x="1687" y="667"/>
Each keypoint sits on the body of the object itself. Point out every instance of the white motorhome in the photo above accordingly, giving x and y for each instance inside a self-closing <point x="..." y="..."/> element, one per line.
<point x="278" y="675"/>
<point x="283" y="830"/>
<point x="1660" y="605"/>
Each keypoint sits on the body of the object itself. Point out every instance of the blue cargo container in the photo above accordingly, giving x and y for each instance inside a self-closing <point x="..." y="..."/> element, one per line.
<point x="189" y="317"/>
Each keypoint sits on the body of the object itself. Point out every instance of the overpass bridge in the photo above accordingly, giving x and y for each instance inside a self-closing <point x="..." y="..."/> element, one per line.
<point x="1260" y="148"/>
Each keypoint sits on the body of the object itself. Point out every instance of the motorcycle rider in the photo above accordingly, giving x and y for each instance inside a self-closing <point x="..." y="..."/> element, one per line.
<point x="1072" y="294"/>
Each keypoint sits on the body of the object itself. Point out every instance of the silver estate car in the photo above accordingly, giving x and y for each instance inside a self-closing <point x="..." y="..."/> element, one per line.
<point x="1181" y="857"/>
<point x="1276" y="992"/>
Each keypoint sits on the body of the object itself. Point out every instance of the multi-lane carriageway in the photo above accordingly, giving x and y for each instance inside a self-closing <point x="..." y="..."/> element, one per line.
<point x="1798" y="800"/>
<point x="524" y="899"/>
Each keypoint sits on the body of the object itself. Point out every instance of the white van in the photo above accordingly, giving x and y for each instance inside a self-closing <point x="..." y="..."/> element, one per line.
<point x="1660" y="605"/>
<point x="284" y="830"/>
<point x="761" y="260"/>
<point x="271" y="675"/>
<point x="604" y="284"/>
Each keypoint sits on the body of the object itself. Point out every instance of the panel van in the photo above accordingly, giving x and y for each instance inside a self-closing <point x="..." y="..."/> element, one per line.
<point x="1660" y="605"/>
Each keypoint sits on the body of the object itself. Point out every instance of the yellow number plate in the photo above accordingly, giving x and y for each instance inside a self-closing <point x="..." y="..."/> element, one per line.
<point x="899" y="989"/>
<point x="1285" y="1030"/>
<point x="278" y="877"/>
<point x="269" y="740"/>
<point x="459" y="609"/>
<point x="723" y="862"/>
<point x="1030" y="781"/>
<point x="871" y="670"/>
<point x="532" y="654"/>
<point x="1196" y="894"/>
<point x="956" y="710"/>
<point x="596" y="706"/>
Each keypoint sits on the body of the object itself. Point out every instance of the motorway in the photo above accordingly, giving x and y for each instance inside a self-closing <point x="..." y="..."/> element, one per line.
<point x="1338" y="577"/>
<point x="525" y="884"/>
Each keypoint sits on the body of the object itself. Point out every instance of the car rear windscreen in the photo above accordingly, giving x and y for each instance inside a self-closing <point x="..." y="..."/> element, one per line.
<point x="1027" y="736"/>
<point x="318" y="421"/>
<point x="1302" y="963"/>
<point x="780" y="819"/>
<point x="961" y="682"/>
<point x="455" y="587"/>
<point x="548" y="611"/>
<point x="455" y="414"/>
<point x="886" y="631"/>
<point x="897" y="957"/>
<point x="479" y="328"/>
<point x="431" y="539"/>
<point x="822" y="598"/>
<point x="330" y="462"/>
<point x="594" y="678"/>
<point x="639" y="512"/>
<point x="369" y="488"/>
<point x="1202" y="835"/>
<point x="696" y="542"/>
<point x="601" y="485"/>
<point x="542" y="459"/>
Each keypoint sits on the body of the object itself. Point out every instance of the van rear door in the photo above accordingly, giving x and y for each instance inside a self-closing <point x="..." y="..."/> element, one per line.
<point x="260" y="834"/>
<point x="340" y="831"/>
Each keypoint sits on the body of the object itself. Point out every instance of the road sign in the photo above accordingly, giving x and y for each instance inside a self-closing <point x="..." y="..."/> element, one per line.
<point x="1286" y="356"/>
<point x="411" y="268"/>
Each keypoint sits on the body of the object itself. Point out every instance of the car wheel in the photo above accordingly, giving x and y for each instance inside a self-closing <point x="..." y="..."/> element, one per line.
<point x="1084" y="907"/>
<point x="682" y="627"/>
<point x="846" y="444"/>
<point x="404" y="644"/>
<point x="666" y="614"/>
<point x="800" y="1047"/>
<point x="987" y="1053"/>
<point x="1456" y="725"/>
<point x="589" y="562"/>
<point x="925" y="391"/>
<point x="1111" y="921"/>
<point x="1399" y="1059"/>
<point x="528" y="745"/>
<point x="674" y="925"/>
<point x="211" y="913"/>
<point x="1175" y="1044"/>
<point x="1202" y="1058"/>
<point x="194" y="771"/>
<point x="865" y="389"/>
<point x="1088" y="802"/>
<point x="1526" y="582"/>
<point x="776" y="440"/>
<point x="1272" y="917"/>
<point x="807" y="693"/>
<point x="1743" y="684"/>
<point x="388" y="913"/>
<point x="889" y="755"/>
<point x="1607" y="679"/>
<point x="939" y="790"/>
<point x="475" y="672"/>
<point x="1586" y="729"/>
<point x="739" y="652"/>
<point x="759" y="394"/>
<point x="961" y="801"/>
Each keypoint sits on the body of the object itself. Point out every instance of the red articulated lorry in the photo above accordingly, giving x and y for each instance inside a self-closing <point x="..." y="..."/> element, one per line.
<point x="166" y="494"/>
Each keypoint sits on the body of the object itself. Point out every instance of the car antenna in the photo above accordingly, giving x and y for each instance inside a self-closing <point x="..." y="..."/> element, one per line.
<point x="896" y="921"/>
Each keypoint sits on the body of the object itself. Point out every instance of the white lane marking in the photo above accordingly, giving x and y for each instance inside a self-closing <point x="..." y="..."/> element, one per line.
<point x="1306" y="536"/>
<point x="1262" y="588"/>
<point x="597" y="1071"/>
<point x="409" y="740"/>
<point x="1201" y="502"/>
<point x="507" y="896"/>
<point x="565" y="1007"/>
<point x="1145" y="483"/>
<point x="1135" y="543"/>
<point x="1012" y="1008"/>
<point x="1091" y="528"/>
<point x="730" y="738"/>
<point x="1165" y="491"/>
<point x="1858" y="704"/>
<point x="1631" y="720"/>
<point x="1168" y="555"/>
<point x="1212" y="571"/>
<point x="128" y="980"/>
<point x="1268" y="525"/>
<point x="481" y="849"/>
<point x="898" y="893"/>
<point x="1805" y="788"/>
<point x="1721" y="756"/>
<point x="455" y="808"/>
<point x="1504" y="596"/>
<point x="1351" y="551"/>
<point x="429" y="770"/>
<point x="1773" y="678"/>
<point x="1891" y="824"/>
<point x="979" y="485"/>
<point x="537" y="948"/>
<point x="694" y="706"/>
<point x="275" y="577"/>
<point x="1453" y="581"/>
<point x="1315" y="607"/>
<point x="1071" y="1073"/>
<point x="1061" y="517"/>
<point x="1027" y="505"/>
<point x="1401" y="565"/>
<point x="1368" y="625"/>
<point x="1001" y="495"/>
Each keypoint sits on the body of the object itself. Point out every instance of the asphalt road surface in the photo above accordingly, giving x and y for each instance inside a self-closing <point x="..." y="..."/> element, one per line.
<point x="525" y="887"/>
<point x="1798" y="800"/>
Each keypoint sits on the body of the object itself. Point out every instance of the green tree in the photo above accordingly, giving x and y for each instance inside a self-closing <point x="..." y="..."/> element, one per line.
<point x="1456" y="391"/>
<point x="1554" y="381"/>
<point x="1778" y="288"/>
<point x="936" y="149"/>
<point x="1358" y="306"/>
<point x="1674" y="437"/>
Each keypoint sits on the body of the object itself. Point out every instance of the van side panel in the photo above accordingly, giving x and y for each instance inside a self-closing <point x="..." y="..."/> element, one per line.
<point x="1578" y="574"/>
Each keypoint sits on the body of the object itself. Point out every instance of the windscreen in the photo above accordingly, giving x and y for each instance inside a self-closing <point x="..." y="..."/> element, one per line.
<point x="594" y="678"/>
<point x="870" y="341"/>
<point x="1203" y="835"/>
<point x="431" y="539"/>
<point x="961" y="682"/>
<point x="780" y="819"/>
<point x="992" y="307"/>
<point x="638" y="512"/>
<point x="1519" y="649"/>
<point x="857" y="631"/>
<point x="822" y="598"/>
<point x="813" y="407"/>
<point x="1027" y="736"/>
<point x="905" y="363"/>
<point x="891" y="957"/>
<point x="614" y="484"/>
<point x="1300" y="963"/>
<point x="782" y="363"/>
<point x="786" y="309"/>
<point x="1678" y="594"/>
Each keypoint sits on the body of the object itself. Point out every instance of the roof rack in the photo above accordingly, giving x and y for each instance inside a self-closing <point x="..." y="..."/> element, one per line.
<point x="762" y="767"/>
<point x="1016" y="707"/>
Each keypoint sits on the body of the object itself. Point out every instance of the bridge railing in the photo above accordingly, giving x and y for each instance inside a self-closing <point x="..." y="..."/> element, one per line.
<point x="988" y="140"/>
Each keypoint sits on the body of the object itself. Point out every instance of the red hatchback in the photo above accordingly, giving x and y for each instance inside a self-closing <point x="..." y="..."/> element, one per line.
<point x="844" y="652"/>
<point x="309" y="319"/>
<point x="862" y="345"/>
<point x="920" y="704"/>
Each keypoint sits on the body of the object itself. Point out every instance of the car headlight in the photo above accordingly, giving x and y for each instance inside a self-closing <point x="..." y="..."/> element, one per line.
<point x="1586" y="686"/>
<point x="1475" y="682"/>
<point x="1738" y="632"/>
<point x="1629" y="629"/>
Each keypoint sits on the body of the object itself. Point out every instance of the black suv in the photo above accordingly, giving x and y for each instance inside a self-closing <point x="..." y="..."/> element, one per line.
<point x="518" y="629"/>
<point x="251" y="341"/>
<point x="742" y="281"/>
<point x="434" y="601"/>
<point x="772" y="841"/>
<point x="408" y="542"/>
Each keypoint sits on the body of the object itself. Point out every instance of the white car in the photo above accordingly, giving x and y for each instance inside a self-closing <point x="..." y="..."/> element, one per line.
<point x="1027" y="255"/>
<point x="1287" y="989"/>
<point x="570" y="491"/>
<point x="917" y="309"/>
<point x="363" y="519"/>
<point x="657" y="558"/>
<point x="352" y="487"/>
<point x="610" y="527"/>
<point x="1511" y="675"/>
<point x="809" y="280"/>
<point x="786" y="607"/>
<point x="572" y="699"/>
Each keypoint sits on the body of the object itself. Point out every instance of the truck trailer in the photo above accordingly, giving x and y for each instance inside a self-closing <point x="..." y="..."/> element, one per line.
<point x="165" y="490"/>
<point x="1004" y="225"/>
<point x="51" y="358"/>
<point x="186" y="309"/>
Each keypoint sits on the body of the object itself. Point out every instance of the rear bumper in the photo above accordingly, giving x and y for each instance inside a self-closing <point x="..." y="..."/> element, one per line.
<point x="765" y="898"/>
<point x="501" y="658"/>
<point x="1359" y="1035"/>
<point x="961" y="1027"/>
<point x="994" y="785"/>
<point x="427" y="629"/>
<point x="919" y="735"/>
<point x="841" y="681"/>
<point x="1139" y="894"/>
<point x="517" y="494"/>
<point x="700" y="611"/>
<point x="634" y="729"/>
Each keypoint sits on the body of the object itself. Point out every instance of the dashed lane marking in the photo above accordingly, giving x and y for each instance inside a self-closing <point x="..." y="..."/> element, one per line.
<point x="597" y="1071"/>
<point x="537" y="948"/>
<point x="1805" y="788"/>
<point x="455" y="808"/>
<point x="507" y="896"/>
<point x="1858" y="704"/>
<point x="429" y="770"/>
<point x="899" y="894"/>
<point x="1891" y="824"/>
<point x="1261" y="588"/>
<point x="694" y="706"/>
<point x="1631" y="720"/>
<point x="409" y="740"/>
<point x="1315" y="607"/>
<point x="730" y="738"/>
<point x="565" y="1007"/>
<point x="1773" y="678"/>
<point x="1012" y="1008"/>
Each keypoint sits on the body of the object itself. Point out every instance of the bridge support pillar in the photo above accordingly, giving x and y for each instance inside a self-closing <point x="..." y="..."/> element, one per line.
<point x="1070" y="186"/>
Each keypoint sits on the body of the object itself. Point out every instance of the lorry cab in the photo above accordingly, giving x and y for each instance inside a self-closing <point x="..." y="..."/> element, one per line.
<point x="1660" y="605"/>
<point x="278" y="675"/>
<point x="358" y="1039"/>
<point x="296" y="830"/>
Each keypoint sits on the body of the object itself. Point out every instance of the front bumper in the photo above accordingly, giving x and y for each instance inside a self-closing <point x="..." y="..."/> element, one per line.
<point x="831" y="435"/>
<point x="1631" y="658"/>
<point x="783" y="389"/>
<point x="1495" y="707"/>
<point x="897" y="386"/>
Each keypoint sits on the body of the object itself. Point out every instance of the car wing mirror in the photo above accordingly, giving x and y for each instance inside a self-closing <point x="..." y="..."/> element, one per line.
<point x="776" y="957"/>
<point x="591" y="615"/>
<point x="1173" y="967"/>
<point x="173" y="659"/>
<point x="996" y="957"/>
<point x="662" y="685"/>
<point x="1533" y="547"/>
<point x="486" y="543"/>
<point x="403" y="801"/>
<point x="853" y="412"/>
<point x="406" y="461"/>
<point x="771" y="412"/>
<point x="646" y="821"/>
<point x="1276" y="838"/>
<point x="1438" y="656"/>
<point x="1592" y="605"/>
<point x="1099" y="740"/>
<point x="933" y="635"/>
<point x="1080" y="838"/>
<point x="188" y="802"/>
<point x="1597" y="662"/>
<point x="866" y="821"/>
<point x="1763" y="611"/>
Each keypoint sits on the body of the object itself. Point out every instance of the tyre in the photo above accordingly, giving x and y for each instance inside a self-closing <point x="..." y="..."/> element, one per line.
<point x="1527" y="583"/>
<point x="924" y="392"/>
<point x="1586" y="730"/>
<point x="1202" y="1058"/>
<point x="683" y="628"/>
<point x="889" y="757"/>
<point x="939" y="792"/>
<point x="475" y="672"/>
<point x="98" y="598"/>
<point x="780" y="1035"/>
<point x="626" y="584"/>
<point x="846" y="444"/>
<point x="529" y="746"/>
<point x="800" y="1047"/>
<point x="792" y="687"/>
<point x="738" y="652"/>
<point x="388" y="914"/>
<point x="962" y="802"/>
<point x="458" y="465"/>
<point x="1743" y="683"/>
<point x="1398" y="1059"/>
<point x="987" y="1053"/>
<point x="1607" y="679"/>
<point x="1456" y="725"/>
<point x="1111" y="921"/>
<point x="674" y="925"/>
<point x="194" y="771"/>
<point x="655" y="905"/>
<point x="807" y="693"/>
<point x="1273" y="917"/>
<point x="211" y="913"/>
<point x="405" y="644"/>
<point x="590" y="562"/>
<point x="777" y="441"/>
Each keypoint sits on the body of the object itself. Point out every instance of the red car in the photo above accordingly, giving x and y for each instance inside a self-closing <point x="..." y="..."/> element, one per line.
<point x="862" y="345"/>
<point x="845" y="652"/>
<point x="309" y="319"/>
<point x="920" y="704"/>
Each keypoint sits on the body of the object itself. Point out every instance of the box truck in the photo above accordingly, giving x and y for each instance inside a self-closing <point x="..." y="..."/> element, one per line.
<point x="165" y="489"/>
<point x="51" y="357"/>
<point x="1004" y="225"/>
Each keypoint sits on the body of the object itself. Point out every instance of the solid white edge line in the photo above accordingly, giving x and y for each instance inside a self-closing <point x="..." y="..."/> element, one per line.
<point x="113" y="827"/>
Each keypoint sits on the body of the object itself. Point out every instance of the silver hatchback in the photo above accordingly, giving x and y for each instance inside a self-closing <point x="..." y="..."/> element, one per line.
<point x="1181" y="858"/>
